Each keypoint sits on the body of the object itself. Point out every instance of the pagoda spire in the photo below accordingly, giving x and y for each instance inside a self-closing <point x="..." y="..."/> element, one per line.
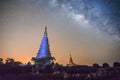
<point x="71" y="63"/>
<point x="45" y="33"/>
<point x="71" y="60"/>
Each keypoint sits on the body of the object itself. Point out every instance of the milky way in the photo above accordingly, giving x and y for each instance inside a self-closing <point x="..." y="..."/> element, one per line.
<point x="104" y="14"/>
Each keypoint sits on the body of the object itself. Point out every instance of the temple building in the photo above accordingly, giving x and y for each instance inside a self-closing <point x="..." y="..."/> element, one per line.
<point x="44" y="54"/>
<point x="44" y="50"/>
<point x="71" y="63"/>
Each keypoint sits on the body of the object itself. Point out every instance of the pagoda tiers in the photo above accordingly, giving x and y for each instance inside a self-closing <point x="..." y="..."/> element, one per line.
<point x="44" y="55"/>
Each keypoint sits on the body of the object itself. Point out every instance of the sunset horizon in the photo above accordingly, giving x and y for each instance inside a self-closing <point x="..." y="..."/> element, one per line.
<point x="88" y="29"/>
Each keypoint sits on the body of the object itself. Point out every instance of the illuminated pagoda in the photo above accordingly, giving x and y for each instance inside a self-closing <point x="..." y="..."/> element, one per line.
<point x="71" y="63"/>
<point x="44" y="55"/>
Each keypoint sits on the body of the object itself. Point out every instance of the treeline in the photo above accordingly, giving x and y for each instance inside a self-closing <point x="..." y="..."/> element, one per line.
<point x="15" y="70"/>
<point x="11" y="61"/>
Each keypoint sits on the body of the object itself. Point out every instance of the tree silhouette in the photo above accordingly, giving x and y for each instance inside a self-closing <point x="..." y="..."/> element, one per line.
<point x="95" y="65"/>
<point x="105" y="65"/>
<point x="9" y="61"/>
<point x="18" y="63"/>
<point x="12" y="62"/>
<point x="116" y="64"/>
<point x="1" y="61"/>
<point x="29" y="63"/>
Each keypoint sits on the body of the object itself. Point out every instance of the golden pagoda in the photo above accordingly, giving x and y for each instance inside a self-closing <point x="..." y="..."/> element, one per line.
<point x="71" y="63"/>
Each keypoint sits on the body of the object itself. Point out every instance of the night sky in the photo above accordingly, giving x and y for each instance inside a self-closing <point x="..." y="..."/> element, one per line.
<point x="90" y="29"/>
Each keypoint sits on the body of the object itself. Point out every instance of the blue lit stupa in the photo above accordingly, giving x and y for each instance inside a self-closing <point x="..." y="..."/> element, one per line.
<point x="44" y="50"/>
<point x="44" y="55"/>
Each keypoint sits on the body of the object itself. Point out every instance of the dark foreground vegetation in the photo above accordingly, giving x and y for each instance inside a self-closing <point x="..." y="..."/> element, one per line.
<point x="15" y="71"/>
